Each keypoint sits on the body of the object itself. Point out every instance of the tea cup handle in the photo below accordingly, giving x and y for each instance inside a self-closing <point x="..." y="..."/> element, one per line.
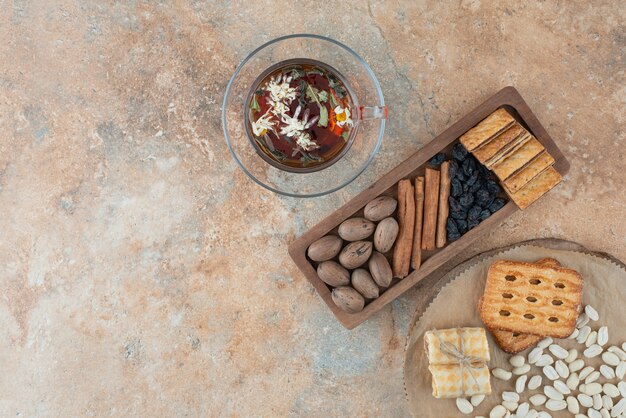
<point x="373" y="112"/>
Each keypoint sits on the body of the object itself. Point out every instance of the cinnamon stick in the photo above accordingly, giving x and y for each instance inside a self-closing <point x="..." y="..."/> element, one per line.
<point x="416" y="256"/>
<point x="406" y="219"/>
<point x="431" y="200"/>
<point x="444" y="193"/>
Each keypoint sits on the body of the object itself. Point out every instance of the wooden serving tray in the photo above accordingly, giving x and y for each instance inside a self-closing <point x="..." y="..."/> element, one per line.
<point x="512" y="101"/>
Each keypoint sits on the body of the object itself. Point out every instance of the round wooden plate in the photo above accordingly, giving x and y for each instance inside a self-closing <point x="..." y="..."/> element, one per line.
<point x="452" y="303"/>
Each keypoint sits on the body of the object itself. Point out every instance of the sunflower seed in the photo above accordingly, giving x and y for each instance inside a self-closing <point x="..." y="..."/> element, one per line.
<point x="607" y="402"/>
<point x="544" y="360"/>
<point x="550" y="373"/>
<point x="552" y="393"/>
<point x="572" y="355"/>
<point x="561" y="369"/>
<point x="620" y="370"/>
<point x="618" y="352"/>
<point x="464" y="406"/>
<point x="622" y="388"/>
<point x="590" y="388"/>
<point x="607" y="372"/>
<point x="562" y="387"/>
<point x="583" y="334"/>
<point x="610" y="358"/>
<point x="611" y="390"/>
<point x="534" y="382"/>
<point x="554" y="405"/>
<point x="593" y="351"/>
<point x="510" y="396"/>
<point x="572" y="405"/>
<point x="591" y="338"/>
<point x="585" y="400"/>
<point x="592" y="313"/>
<point x="522" y="409"/>
<point x="584" y="372"/>
<point x="545" y="342"/>
<point x="498" y="411"/>
<point x="501" y="374"/>
<point x="603" y="335"/>
<point x="510" y="405"/>
<point x="521" y="370"/>
<point x="572" y="381"/>
<point x="597" y="401"/>
<point x="574" y="334"/>
<point x="576" y="365"/>
<point x="558" y="351"/>
<point x="537" y="399"/>
<point x="582" y="320"/>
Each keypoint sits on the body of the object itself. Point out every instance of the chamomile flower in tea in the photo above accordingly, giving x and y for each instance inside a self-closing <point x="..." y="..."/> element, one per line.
<point x="300" y="115"/>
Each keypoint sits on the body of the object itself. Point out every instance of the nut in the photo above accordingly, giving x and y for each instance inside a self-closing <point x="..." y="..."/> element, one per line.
<point x="477" y="399"/>
<point x="610" y="358"/>
<point x="558" y="351"/>
<point x="501" y="374"/>
<point x="592" y="313"/>
<point x="576" y="365"/>
<point x="386" y="234"/>
<point x="552" y="393"/>
<point x="380" y="269"/>
<point x="534" y="355"/>
<point x="585" y="400"/>
<point x="534" y="382"/>
<point x="572" y="405"/>
<point x="517" y="361"/>
<point x="544" y="360"/>
<point x="607" y="372"/>
<point x="348" y="299"/>
<point x="593" y="376"/>
<point x="464" y="406"/>
<point x="592" y="351"/>
<point x="333" y="274"/>
<point x="554" y="405"/>
<point x="510" y="396"/>
<point x="380" y="208"/>
<point x="591" y="388"/>
<point x="521" y="370"/>
<point x="325" y="248"/>
<point x="538" y="399"/>
<point x="355" y="254"/>
<point x="356" y="229"/>
<point x="550" y="372"/>
<point x="561" y="369"/>
<point x="603" y="336"/>
<point x="545" y="342"/>
<point x="364" y="284"/>
<point x="562" y="387"/>
<point x="572" y="381"/>
<point x="498" y="411"/>
<point x="520" y="384"/>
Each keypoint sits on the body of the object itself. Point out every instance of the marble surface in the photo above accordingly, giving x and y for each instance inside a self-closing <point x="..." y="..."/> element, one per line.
<point x="143" y="274"/>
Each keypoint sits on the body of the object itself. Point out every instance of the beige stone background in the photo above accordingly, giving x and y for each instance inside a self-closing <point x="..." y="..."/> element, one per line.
<point x="142" y="274"/>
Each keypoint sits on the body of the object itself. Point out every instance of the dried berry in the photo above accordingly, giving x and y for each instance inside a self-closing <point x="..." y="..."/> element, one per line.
<point x="461" y="225"/>
<point x="466" y="199"/>
<point x="493" y="187"/>
<point x="455" y="187"/>
<point x="469" y="166"/>
<point x="451" y="227"/>
<point x="472" y="224"/>
<point x="454" y="204"/>
<point x="453" y="169"/>
<point x="483" y="198"/>
<point x="459" y="214"/>
<point x="496" y="205"/>
<point x="453" y="237"/>
<point x="459" y="152"/>
<point x="474" y="213"/>
<point x="437" y="160"/>
<point x="472" y="179"/>
<point x="484" y="171"/>
<point x="484" y="214"/>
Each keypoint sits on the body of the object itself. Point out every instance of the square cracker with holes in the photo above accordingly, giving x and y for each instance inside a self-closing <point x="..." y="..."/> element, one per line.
<point x="534" y="299"/>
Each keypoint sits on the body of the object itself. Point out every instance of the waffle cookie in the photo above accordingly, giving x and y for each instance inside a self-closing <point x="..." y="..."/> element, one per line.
<point x="529" y="172"/>
<point x="492" y="147"/>
<point x="488" y="128"/>
<point x="536" y="188"/>
<point x="527" y="298"/>
<point x="514" y="162"/>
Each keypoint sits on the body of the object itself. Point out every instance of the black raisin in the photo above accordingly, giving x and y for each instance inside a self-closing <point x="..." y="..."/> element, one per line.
<point x="454" y="168"/>
<point x="472" y="178"/>
<point x="466" y="199"/>
<point x="496" y="205"/>
<point x="451" y="227"/>
<point x="459" y="214"/>
<point x="471" y="224"/>
<point x="484" y="171"/>
<point x="455" y="187"/>
<point x="473" y="213"/>
<point x="468" y="167"/>
<point x="483" y="198"/>
<point x="461" y="225"/>
<point x="484" y="214"/>
<point x="437" y="160"/>
<point x="493" y="187"/>
<point x="475" y="187"/>
<point x="455" y="206"/>
<point x="459" y="152"/>
<point x="453" y="237"/>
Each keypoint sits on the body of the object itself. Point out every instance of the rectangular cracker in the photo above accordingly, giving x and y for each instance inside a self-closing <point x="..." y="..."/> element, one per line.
<point x="528" y="298"/>
<point x="536" y="188"/>
<point x="490" y="149"/>
<point x="517" y="160"/>
<point x="515" y="342"/>
<point x="489" y="127"/>
<point x="529" y="172"/>
<point x="509" y="149"/>
<point x="473" y="340"/>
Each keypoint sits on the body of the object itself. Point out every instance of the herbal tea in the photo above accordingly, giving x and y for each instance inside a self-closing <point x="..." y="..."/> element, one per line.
<point x="300" y="115"/>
